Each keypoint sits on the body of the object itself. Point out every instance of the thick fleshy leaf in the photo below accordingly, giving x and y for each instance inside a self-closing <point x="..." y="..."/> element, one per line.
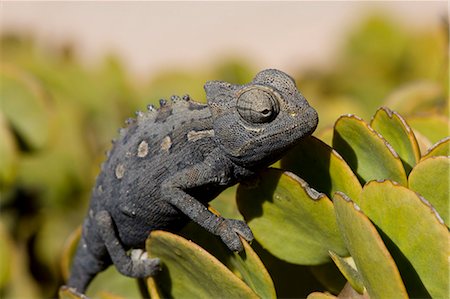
<point x="26" y="106"/>
<point x="20" y="283"/>
<point x="6" y="253"/>
<point x="416" y="97"/>
<point x="326" y="135"/>
<point x="225" y="202"/>
<point x="246" y="265"/>
<point x="322" y="167"/>
<point x="350" y="293"/>
<point x="109" y="295"/>
<point x="435" y="127"/>
<point x="68" y="293"/>
<point x="415" y="230"/>
<point x="291" y="220"/>
<point x="153" y="289"/>
<point x="318" y="295"/>
<point x="69" y="144"/>
<point x="329" y="276"/>
<point x="349" y="271"/>
<point x="68" y="252"/>
<point x="399" y="134"/>
<point x="373" y="261"/>
<point x="441" y="148"/>
<point x="423" y="142"/>
<point x="430" y="178"/>
<point x="366" y="152"/>
<point x="286" y="276"/>
<point x="9" y="156"/>
<point x="253" y="272"/>
<point x="112" y="284"/>
<point x="191" y="272"/>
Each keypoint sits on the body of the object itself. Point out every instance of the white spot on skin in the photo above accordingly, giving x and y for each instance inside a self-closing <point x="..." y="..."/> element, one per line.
<point x="196" y="135"/>
<point x="166" y="144"/>
<point x="138" y="254"/>
<point x="142" y="149"/>
<point x="120" y="171"/>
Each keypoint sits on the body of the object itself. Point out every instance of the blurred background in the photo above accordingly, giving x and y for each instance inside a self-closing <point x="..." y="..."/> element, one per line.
<point x="72" y="72"/>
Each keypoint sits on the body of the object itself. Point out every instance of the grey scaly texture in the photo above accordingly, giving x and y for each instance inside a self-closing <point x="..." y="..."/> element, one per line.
<point x="168" y="163"/>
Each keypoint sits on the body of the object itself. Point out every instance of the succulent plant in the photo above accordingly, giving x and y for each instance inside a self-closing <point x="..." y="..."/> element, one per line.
<point x="368" y="217"/>
<point x="58" y="116"/>
<point x="389" y="207"/>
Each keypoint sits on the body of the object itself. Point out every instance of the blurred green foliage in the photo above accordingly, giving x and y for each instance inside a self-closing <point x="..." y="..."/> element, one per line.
<point x="58" y="116"/>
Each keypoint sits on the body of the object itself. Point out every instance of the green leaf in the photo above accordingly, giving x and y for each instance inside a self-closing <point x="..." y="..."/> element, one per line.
<point x="366" y="152"/>
<point x="318" y="295"/>
<point x="253" y="272"/>
<point x="116" y="284"/>
<point x="52" y="171"/>
<point x="413" y="227"/>
<point x="68" y="293"/>
<point x="348" y="269"/>
<point x="6" y="254"/>
<point x="25" y="105"/>
<point x="9" y="156"/>
<point x="399" y="134"/>
<point x="441" y="148"/>
<point x="415" y="97"/>
<point x="191" y="272"/>
<point x="322" y="167"/>
<point x="424" y="143"/>
<point x="68" y="252"/>
<point x="225" y="202"/>
<point x="286" y="276"/>
<point x="289" y="219"/>
<point x="350" y="293"/>
<point x="329" y="276"/>
<point x="325" y="134"/>
<point x="373" y="261"/>
<point x="246" y="265"/>
<point x="153" y="289"/>
<point x="434" y="126"/>
<point x="430" y="178"/>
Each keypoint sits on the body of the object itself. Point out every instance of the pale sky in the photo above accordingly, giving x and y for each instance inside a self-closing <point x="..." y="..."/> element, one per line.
<point x="151" y="36"/>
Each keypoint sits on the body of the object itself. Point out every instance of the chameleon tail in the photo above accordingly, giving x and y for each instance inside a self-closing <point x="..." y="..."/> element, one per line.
<point x="84" y="268"/>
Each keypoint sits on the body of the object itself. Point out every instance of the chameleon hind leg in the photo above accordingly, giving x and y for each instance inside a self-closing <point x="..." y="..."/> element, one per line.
<point x="136" y="265"/>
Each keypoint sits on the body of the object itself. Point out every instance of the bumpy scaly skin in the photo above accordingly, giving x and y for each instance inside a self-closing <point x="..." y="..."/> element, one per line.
<point x="170" y="162"/>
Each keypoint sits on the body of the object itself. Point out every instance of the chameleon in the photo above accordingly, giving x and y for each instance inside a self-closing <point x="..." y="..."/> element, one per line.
<point x="169" y="162"/>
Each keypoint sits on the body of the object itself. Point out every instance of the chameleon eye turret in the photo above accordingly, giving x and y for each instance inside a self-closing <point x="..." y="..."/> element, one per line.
<point x="258" y="104"/>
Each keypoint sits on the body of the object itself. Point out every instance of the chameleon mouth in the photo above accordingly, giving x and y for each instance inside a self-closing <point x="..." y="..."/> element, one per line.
<point x="307" y="122"/>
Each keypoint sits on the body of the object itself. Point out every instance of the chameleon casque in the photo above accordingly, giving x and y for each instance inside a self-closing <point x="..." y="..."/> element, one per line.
<point x="169" y="162"/>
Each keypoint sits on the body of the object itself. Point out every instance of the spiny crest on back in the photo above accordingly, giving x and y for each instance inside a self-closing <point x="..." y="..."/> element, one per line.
<point x="154" y="114"/>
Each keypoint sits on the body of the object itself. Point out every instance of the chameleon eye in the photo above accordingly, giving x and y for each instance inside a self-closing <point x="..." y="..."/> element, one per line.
<point x="258" y="105"/>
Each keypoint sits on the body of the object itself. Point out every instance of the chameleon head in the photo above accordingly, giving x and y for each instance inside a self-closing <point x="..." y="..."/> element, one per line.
<point x="255" y="123"/>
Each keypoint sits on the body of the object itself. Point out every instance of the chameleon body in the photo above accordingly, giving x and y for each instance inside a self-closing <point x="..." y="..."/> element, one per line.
<point x="169" y="162"/>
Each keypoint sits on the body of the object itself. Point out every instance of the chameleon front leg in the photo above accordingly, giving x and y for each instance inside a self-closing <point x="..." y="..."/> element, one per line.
<point x="205" y="173"/>
<point x="136" y="265"/>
